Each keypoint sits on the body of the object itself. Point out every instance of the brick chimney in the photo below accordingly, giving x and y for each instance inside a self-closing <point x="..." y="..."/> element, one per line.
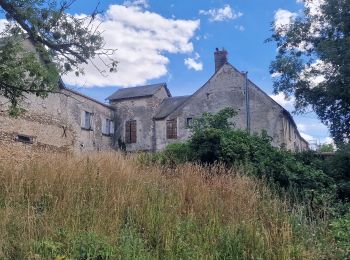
<point x="220" y="58"/>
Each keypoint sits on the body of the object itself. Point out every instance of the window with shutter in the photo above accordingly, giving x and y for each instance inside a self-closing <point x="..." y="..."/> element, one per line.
<point x="171" y="129"/>
<point x="86" y="120"/>
<point x="111" y="127"/>
<point x="130" y="131"/>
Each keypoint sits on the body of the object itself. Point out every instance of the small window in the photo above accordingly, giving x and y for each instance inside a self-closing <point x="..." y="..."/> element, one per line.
<point x="24" y="139"/>
<point x="130" y="132"/>
<point x="86" y="120"/>
<point x="189" y="121"/>
<point x="107" y="126"/>
<point x="171" y="129"/>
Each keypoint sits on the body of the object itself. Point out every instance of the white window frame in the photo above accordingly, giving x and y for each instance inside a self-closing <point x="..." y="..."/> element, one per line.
<point x="86" y="120"/>
<point x="107" y="126"/>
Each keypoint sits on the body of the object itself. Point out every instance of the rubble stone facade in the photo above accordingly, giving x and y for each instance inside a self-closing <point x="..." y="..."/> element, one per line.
<point x="143" y="118"/>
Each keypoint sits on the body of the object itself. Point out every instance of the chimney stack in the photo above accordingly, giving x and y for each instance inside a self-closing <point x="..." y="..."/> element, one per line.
<point x="220" y="58"/>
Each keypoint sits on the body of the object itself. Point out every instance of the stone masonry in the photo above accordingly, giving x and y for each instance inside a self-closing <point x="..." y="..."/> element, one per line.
<point x="144" y="118"/>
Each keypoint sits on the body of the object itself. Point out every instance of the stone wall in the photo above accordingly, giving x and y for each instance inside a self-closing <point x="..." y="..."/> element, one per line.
<point x="142" y="110"/>
<point x="53" y="124"/>
<point x="227" y="89"/>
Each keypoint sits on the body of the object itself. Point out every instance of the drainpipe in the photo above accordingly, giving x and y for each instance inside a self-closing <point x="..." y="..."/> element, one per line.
<point x="247" y="101"/>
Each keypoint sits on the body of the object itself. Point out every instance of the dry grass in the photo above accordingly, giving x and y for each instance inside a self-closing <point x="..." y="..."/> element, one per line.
<point x="108" y="205"/>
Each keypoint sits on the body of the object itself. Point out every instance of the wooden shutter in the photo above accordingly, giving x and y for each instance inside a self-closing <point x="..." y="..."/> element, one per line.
<point x="130" y="132"/>
<point x="127" y="132"/>
<point x="111" y="127"/>
<point x="104" y="126"/>
<point x="82" y="119"/>
<point x="133" y="132"/>
<point x="171" y="129"/>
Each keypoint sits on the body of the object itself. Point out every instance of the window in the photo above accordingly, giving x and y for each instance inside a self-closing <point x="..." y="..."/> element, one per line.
<point x="171" y="129"/>
<point x="107" y="126"/>
<point x="189" y="121"/>
<point x="86" y="120"/>
<point x="130" y="131"/>
<point x="24" y="139"/>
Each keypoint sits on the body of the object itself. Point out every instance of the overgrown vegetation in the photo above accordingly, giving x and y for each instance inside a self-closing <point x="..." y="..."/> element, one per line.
<point x="305" y="177"/>
<point x="245" y="200"/>
<point x="109" y="206"/>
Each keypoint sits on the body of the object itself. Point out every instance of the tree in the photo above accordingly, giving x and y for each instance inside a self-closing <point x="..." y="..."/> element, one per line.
<point x="62" y="43"/>
<point x="313" y="63"/>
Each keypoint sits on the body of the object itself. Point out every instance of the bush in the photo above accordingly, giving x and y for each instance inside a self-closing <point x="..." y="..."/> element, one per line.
<point x="214" y="140"/>
<point x="341" y="230"/>
<point x="339" y="170"/>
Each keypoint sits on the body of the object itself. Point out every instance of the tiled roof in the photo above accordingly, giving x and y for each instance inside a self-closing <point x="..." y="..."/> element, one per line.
<point x="135" y="92"/>
<point x="169" y="105"/>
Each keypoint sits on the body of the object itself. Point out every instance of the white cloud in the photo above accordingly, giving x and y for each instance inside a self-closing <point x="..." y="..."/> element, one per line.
<point x="137" y="3"/>
<point x="307" y="137"/>
<point x="286" y="102"/>
<point x="193" y="63"/>
<point x="316" y="72"/>
<point x="312" y="127"/>
<point x="276" y="75"/>
<point x="221" y="14"/>
<point x="283" y="19"/>
<point x="240" y="28"/>
<point x="313" y="5"/>
<point x="3" y="23"/>
<point x="141" y="38"/>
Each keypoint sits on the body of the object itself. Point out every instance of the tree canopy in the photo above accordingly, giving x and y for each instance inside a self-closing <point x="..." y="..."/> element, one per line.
<point x="313" y="63"/>
<point x="62" y="43"/>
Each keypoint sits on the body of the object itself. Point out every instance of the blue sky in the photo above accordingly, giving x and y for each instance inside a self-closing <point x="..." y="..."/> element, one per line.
<point x="174" y="41"/>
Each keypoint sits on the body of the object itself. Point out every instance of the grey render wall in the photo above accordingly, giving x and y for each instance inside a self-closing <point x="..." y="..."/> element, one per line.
<point x="54" y="124"/>
<point x="227" y="89"/>
<point x="142" y="110"/>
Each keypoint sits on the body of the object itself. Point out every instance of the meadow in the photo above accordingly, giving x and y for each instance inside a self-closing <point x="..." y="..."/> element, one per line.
<point x="114" y="206"/>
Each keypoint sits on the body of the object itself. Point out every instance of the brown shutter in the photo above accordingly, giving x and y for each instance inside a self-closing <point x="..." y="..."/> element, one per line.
<point x="130" y="132"/>
<point x="133" y="131"/>
<point x="171" y="129"/>
<point x="127" y="132"/>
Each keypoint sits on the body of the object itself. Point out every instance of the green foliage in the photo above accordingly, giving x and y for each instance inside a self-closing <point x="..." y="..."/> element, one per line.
<point x="338" y="167"/>
<point x="220" y="120"/>
<point x="85" y="245"/>
<point x="213" y="140"/>
<point x="61" y="43"/>
<point x="88" y="245"/>
<point x="19" y="76"/>
<point x="321" y="38"/>
<point x="326" y="148"/>
<point x="341" y="231"/>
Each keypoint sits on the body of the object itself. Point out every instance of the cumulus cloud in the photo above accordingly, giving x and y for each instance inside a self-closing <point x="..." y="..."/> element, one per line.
<point x="307" y="137"/>
<point x="286" y="102"/>
<point x="142" y="38"/>
<point x="221" y="14"/>
<point x="194" y="63"/>
<point x="316" y="73"/>
<point x="137" y="3"/>
<point x="313" y="5"/>
<point x="283" y="19"/>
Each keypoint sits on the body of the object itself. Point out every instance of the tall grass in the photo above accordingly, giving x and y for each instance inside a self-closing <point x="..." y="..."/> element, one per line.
<point x="109" y="206"/>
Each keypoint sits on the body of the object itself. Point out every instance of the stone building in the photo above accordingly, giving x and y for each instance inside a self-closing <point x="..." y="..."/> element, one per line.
<point x="145" y="118"/>
<point x="149" y="118"/>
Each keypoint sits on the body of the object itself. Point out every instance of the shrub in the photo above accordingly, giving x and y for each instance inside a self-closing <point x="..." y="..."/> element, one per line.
<point x="214" y="140"/>
<point x="341" y="230"/>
